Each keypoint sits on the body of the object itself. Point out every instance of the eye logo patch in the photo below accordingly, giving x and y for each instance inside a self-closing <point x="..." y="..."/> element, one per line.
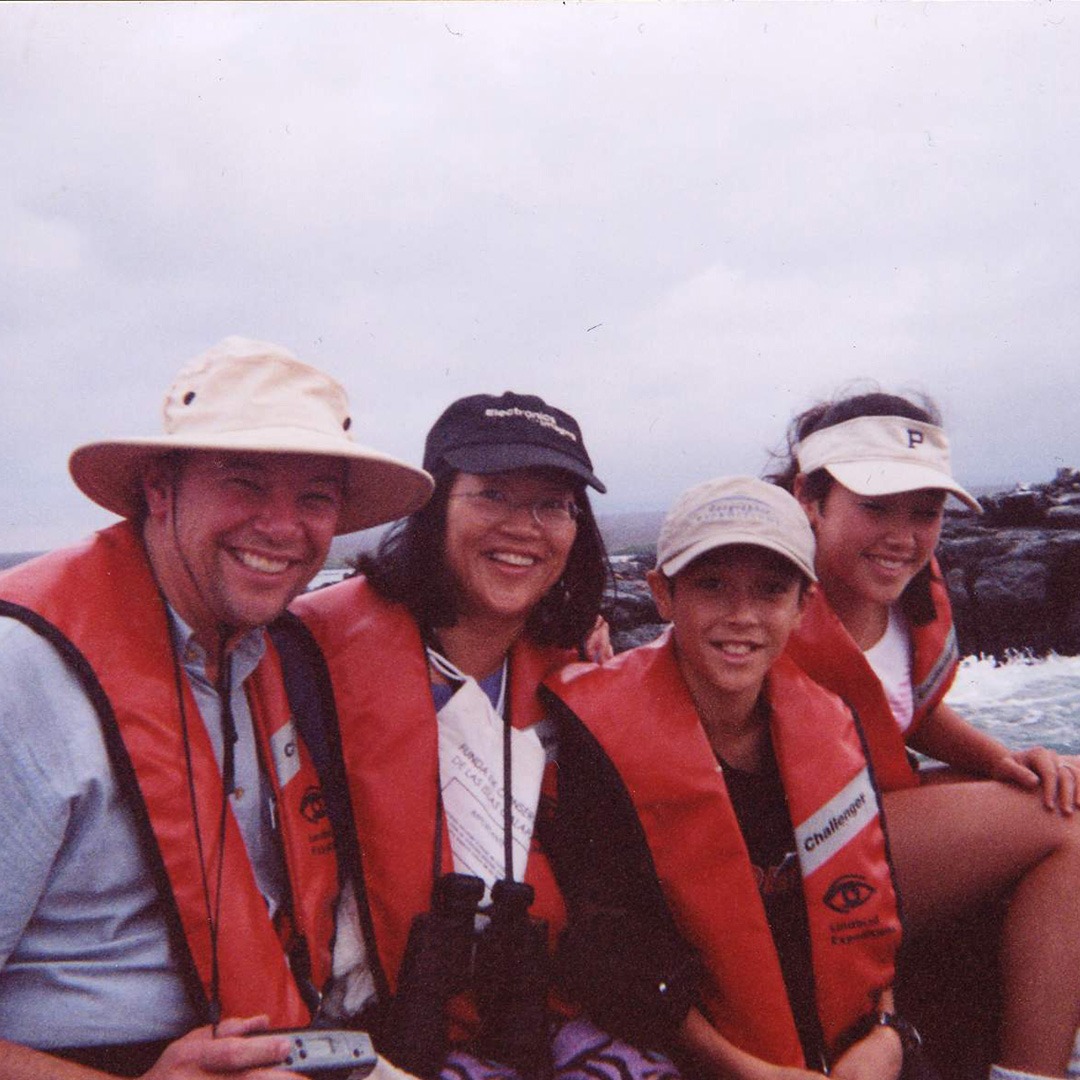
<point x="848" y="893"/>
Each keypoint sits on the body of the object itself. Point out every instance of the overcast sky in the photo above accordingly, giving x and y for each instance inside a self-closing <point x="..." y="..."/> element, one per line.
<point x="681" y="222"/>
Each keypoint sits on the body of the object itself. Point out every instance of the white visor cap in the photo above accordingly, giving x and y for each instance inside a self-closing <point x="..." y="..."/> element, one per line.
<point x="883" y="455"/>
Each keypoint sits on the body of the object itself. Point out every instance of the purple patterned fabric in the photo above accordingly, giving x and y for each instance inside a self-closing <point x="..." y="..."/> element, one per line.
<point x="580" y="1051"/>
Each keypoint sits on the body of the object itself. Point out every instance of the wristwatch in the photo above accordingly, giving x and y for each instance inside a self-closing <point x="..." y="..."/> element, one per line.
<point x="910" y="1039"/>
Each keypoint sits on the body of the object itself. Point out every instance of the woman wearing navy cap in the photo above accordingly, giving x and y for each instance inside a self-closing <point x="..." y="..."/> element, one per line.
<point x="435" y="655"/>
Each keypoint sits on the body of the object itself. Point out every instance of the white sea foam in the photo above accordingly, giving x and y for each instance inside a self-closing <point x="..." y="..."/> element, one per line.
<point x="1022" y="701"/>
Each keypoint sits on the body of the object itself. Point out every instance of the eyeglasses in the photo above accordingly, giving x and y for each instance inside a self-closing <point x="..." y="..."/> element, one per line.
<point x="495" y="506"/>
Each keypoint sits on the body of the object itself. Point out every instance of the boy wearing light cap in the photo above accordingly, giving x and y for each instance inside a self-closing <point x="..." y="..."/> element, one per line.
<point x="756" y="806"/>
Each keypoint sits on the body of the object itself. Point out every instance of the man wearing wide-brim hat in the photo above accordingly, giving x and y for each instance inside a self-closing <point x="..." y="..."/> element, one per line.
<point x="168" y="873"/>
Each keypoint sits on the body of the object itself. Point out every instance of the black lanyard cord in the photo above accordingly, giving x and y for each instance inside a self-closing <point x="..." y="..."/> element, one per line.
<point x="228" y="782"/>
<point x="229" y="733"/>
<point x="508" y="794"/>
<point x="213" y="907"/>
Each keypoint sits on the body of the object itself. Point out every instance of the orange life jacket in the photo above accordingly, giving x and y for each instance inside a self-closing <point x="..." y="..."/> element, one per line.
<point x="99" y="604"/>
<point x="389" y="734"/>
<point x="824" y="649"/>
<point x="640" y="711"/>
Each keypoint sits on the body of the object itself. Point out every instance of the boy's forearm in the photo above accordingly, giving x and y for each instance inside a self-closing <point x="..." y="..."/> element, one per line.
<point x="719" y="1059"/>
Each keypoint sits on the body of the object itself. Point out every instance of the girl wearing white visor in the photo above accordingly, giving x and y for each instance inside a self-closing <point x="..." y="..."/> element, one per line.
<point x="872" y="473"/>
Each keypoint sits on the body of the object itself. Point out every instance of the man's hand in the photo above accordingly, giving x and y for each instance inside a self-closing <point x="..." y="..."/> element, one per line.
<point x="235" y="1050"/>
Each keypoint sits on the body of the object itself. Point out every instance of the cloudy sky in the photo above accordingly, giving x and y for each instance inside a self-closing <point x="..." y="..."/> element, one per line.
<point x="682" y="222"/>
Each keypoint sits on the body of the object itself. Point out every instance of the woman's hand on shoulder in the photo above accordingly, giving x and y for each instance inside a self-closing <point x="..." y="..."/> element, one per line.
<point x="1056" y="777"/>
<point x="877" y="1056"/>
<point x="598" y="646"/>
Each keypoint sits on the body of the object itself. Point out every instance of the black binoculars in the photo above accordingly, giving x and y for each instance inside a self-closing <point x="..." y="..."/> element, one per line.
<point x="505" y="964"/>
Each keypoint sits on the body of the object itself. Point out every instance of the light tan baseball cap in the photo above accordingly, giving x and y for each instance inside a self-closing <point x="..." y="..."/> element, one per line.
<point x="735" y="510"/>
<point x="251" y="396"/>
<point x="883" y="455"/>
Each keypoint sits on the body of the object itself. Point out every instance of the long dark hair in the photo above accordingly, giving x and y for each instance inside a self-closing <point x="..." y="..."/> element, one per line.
<point x="409" y="568"/>
<point x="916" y="601"/>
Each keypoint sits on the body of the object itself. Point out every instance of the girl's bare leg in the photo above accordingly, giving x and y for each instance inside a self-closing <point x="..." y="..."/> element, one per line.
<point x="956" y="845"/>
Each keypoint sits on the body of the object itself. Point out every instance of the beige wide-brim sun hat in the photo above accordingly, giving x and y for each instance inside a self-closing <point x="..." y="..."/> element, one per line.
<point x="251" y="396"/>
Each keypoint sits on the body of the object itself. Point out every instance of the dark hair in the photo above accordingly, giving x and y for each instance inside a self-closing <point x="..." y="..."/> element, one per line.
<point x="916" y="601"/>
<point x="410" y="568"/>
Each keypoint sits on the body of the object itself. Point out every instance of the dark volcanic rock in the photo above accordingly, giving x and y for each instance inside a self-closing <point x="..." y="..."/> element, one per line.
<point x="1013" y="575"/>
<point x="622" y="640"/>
<point x="1017" y="508"/>
<point x="629" y="608"/>
<point x="1014" y="572"/>
<point x="1013" y="588"/>
<point x="1065" y="516"/>
<point x="1055" y="505"/>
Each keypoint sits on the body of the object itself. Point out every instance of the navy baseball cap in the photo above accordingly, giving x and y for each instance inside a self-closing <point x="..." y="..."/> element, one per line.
<point x="487" y="434"/>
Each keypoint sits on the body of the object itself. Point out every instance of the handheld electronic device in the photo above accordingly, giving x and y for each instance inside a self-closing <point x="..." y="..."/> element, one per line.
<point x="327" y="1053"/>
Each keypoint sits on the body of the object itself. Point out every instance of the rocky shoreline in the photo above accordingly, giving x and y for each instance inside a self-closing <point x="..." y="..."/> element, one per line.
<point x="1013" y="575"/>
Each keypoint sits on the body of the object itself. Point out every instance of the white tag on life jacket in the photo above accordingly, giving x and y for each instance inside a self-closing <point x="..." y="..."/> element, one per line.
<point x="471" y="778"/>
<point x="285" y="751"/>
<point x="836" y="823"/>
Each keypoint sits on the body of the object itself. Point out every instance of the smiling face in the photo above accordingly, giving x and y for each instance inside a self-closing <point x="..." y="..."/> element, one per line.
<point x="733" y="610"/>
<point x="503" y="561"/>
<point x="234" y="537"/>
<point x="869" y="547"/>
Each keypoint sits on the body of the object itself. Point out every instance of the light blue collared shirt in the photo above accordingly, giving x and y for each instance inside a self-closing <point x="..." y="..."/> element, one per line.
<point x="252" y="796"/>
<point x="84" y="952"/>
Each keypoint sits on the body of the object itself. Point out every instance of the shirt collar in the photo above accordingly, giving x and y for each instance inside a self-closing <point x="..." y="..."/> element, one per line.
<point x="246" y="653"/>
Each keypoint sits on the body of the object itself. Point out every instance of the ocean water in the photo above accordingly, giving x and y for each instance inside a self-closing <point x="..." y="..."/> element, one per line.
<point x="1023" y="701"/>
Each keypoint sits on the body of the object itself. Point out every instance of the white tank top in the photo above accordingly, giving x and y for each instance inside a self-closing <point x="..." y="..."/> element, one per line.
<point x="890" y="658"/>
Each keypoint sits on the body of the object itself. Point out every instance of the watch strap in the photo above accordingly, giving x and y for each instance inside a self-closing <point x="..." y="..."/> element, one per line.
<point x="910" y="1039"/>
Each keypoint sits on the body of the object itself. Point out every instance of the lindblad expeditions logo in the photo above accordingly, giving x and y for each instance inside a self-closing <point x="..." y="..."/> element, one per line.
<point x="848" y="892"/>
